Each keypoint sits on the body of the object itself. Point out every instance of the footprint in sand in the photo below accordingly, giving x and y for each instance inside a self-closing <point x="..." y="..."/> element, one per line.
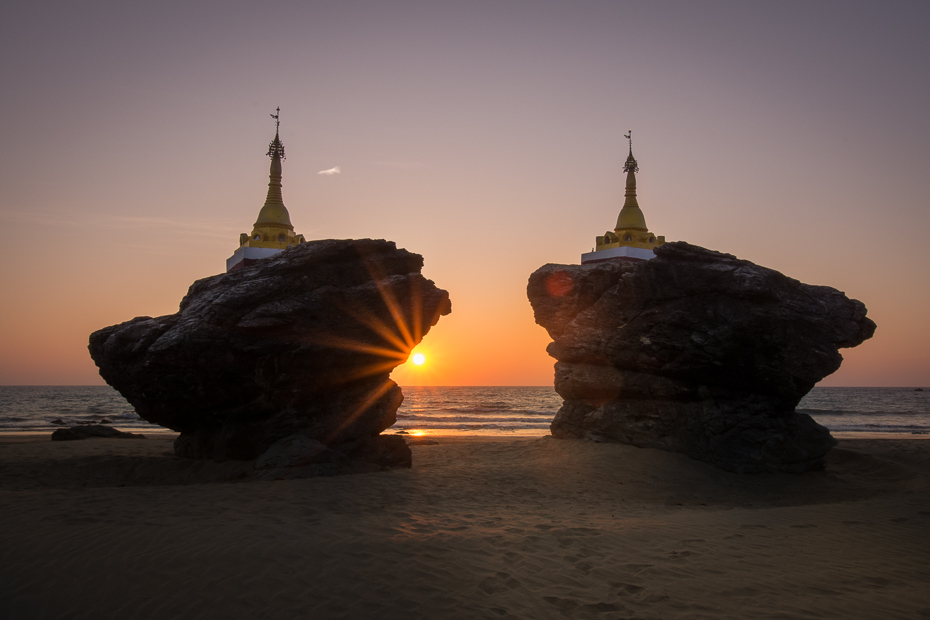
<point x="602" y="607"/>
<point x="567" y="606"/>
<point x="500" y="582"/>
<point x="638" y="593"/>
<point x="626" y="589"/>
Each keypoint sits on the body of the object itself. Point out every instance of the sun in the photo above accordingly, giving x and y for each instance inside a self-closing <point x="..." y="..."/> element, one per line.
<point x="418" y="359"/>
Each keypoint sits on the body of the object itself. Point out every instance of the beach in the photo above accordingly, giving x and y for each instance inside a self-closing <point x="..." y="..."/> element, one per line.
<point x="480" y="527"/>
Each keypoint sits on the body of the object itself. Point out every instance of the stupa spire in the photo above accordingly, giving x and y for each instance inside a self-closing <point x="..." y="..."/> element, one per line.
<point x="272" y="231"/>
<point x="276" y="153"/>
<point x="631" y="217"/>
<point x="631" y="168"/>
<point x="630" y="239"/>
<point x="630" y="165"/>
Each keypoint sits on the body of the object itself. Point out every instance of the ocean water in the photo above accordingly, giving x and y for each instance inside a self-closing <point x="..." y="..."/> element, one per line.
<point x="478" y="410"/>
<point x="869" y="410"/>
<point x="45" y="408"/>
<point x="465" y="410"/>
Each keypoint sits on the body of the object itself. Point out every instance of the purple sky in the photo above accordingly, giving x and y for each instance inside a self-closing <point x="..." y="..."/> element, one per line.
<point x="485" y="136"/>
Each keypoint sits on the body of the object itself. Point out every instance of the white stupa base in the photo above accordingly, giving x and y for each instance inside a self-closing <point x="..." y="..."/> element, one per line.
<point x="623" y="253"/>
<point x="245" y="256"/>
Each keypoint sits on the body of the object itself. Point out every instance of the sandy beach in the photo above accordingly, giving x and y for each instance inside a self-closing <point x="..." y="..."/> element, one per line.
<point x="479" y="528"/>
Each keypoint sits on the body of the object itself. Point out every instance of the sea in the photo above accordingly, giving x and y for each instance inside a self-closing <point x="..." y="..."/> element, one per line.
<point x="497" y="411"/>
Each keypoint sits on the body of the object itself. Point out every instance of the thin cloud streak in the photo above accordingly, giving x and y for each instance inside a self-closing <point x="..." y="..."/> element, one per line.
<point x="331" y="171"/>
<point x="201" y="228"/>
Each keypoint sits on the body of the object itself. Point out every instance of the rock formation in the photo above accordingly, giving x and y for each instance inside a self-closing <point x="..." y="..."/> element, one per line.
<point x="694" y="351"/>
<point x="301" y="343"/>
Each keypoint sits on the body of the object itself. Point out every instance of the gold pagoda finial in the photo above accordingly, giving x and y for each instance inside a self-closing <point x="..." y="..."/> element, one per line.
<point x="272" y="231"/>
<point x="630" y="215"/>
<point x="630" y="165"/>
<point x="274" y="210"/>
<point x="630" y="239"/>
<point x="276" y="148"/>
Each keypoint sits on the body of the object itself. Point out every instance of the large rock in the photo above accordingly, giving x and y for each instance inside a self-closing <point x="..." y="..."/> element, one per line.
<point x="301" y="343"/>
<point x="694" y="351"/>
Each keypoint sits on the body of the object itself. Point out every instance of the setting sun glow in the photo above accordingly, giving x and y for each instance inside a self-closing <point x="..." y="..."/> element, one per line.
<point x="418" y="359"/>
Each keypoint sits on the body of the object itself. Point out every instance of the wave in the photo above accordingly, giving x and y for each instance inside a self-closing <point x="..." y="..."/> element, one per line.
<point x="842" y="412"/>
<point x="476" y="426"/>
<point x="880" y="428"/>
<point x="474" y="410"/>
<point x="454" y="419"/>
<point x="481" y="409"/>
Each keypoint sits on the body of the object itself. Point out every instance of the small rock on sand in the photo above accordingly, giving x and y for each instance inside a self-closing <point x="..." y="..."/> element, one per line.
<point x="92" y="430"/>
<point x="295" y="451"/>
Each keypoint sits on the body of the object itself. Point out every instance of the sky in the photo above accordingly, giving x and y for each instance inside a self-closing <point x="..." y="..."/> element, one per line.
<point x="486" y="136"/>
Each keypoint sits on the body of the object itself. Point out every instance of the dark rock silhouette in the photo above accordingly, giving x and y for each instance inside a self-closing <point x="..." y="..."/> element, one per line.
<point x="694" y="351"/>
<point x="301" y="343"/>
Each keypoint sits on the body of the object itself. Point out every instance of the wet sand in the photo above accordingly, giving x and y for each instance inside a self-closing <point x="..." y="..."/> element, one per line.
<point x="479" y="528"/>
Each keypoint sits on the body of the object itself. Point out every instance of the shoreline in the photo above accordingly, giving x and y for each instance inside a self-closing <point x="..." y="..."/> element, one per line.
<point x="488" y="435"/>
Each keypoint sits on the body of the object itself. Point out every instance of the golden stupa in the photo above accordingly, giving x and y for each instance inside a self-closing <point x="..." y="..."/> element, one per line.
<point x="631" y="239"/>
<point x="273" y="231"/>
